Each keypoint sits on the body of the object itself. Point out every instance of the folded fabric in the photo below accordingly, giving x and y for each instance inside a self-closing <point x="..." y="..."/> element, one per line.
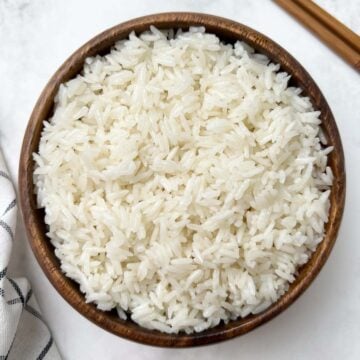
<point x="23" y="332"/>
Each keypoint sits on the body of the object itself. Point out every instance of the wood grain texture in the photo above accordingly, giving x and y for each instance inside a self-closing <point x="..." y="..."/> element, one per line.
<point x="333" y="24"/>
<point x="325" y="29"/>
<point x="228" y="31"/>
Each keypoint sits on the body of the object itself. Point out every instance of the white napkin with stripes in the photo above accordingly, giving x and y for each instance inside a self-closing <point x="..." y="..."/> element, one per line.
<point x="23" y="332"/>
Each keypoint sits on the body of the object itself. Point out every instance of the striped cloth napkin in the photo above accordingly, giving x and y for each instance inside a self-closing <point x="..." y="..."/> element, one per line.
<point x="23" y="332"/>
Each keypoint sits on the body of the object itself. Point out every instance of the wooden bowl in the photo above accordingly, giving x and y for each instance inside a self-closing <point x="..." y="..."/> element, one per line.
<point x="228" y="31"/>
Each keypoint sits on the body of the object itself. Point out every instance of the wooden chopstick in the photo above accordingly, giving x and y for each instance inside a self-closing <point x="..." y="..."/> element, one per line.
<point x="333" y="33"/>
<point x="332" y="23"/>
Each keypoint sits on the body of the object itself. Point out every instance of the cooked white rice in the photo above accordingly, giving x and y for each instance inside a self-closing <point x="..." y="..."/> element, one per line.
<point x="183" y="181"/>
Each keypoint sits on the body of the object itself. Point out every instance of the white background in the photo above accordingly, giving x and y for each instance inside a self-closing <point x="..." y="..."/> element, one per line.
<point x="37" y="36"/>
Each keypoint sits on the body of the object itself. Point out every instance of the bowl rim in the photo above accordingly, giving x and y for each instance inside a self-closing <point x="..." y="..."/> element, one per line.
<point x="230" y="30"/>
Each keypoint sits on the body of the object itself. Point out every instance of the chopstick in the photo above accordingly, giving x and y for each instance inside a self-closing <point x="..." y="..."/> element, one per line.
<point x="332" y="23"/>
<point x="331" y="31"/>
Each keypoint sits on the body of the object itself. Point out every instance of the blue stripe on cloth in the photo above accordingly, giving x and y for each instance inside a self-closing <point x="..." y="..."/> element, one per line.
<point x="14" y="301"/>
<point x="7" y="228"/>
<point x="3" y="273"/>
<point x="7" y="355"/>
<point x="34" y="312"/>
<point x="10" y="206"/>
<point x="18" y="290"/>
<point x="28" y="296"/>
<point x="5" y="175"/>
<point x="46" y="349"/>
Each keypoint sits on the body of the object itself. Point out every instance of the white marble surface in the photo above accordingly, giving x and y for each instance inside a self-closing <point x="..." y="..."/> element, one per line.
<point x="37" y="36"/>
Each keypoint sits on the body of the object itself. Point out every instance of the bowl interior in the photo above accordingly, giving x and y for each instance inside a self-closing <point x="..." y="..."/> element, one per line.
<point x="228" y="31"/>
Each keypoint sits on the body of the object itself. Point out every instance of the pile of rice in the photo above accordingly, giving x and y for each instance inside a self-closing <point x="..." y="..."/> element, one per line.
<point x="183" y="181"/>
